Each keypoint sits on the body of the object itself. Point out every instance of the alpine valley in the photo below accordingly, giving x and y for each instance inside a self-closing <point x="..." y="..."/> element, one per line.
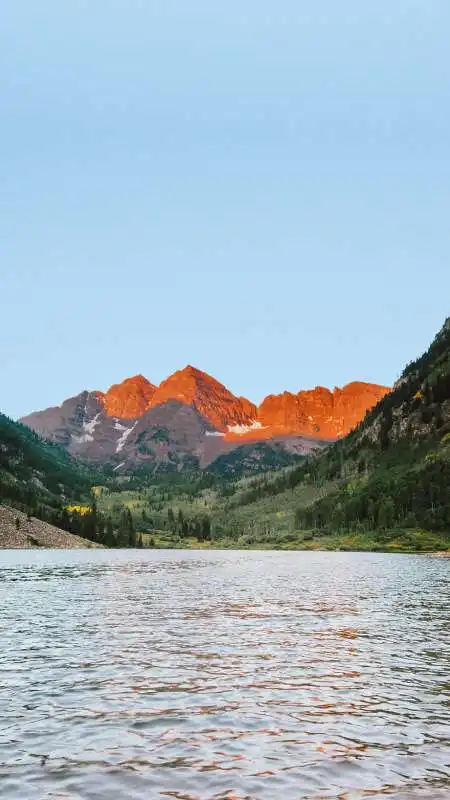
<point x="189" y="464"/>
<point x="191" y="420"/>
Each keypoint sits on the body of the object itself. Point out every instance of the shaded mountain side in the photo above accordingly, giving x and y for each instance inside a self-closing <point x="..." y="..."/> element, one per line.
<point x="392" y="471"/>
<point x="261" y="457"/>
<point x="395" y="467"/>
<point x="44" y="482"/>
<point x="38" y="476"/>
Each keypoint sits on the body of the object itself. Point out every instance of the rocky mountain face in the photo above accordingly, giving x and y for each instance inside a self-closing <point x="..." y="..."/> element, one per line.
<point x="319" y="413"/>
<point x="129" y="399"/>
<point x="191" y="419"/>
<point x="209" y="397"/>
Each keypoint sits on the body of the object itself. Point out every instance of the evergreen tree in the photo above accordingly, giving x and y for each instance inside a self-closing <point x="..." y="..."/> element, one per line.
<point x="110" y="539"/>
<point x="130" y="529"/>
<point x="206" y="529"/>
<point x="180" y="521"/>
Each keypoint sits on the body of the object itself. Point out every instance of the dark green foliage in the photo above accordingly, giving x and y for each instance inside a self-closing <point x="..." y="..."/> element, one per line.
<point x="160" y="435"/>
<point x="415" y="497"/>
<point x="394" y="469"/>
<point x="255" y="458"/>
<point x="42" y="480"/>
<point x="126" y="534"/>
<point x="32" y="468"/>
<point x="36" y="476"/>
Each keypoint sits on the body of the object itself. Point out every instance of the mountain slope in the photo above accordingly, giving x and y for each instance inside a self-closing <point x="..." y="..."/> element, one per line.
<point x="388" y="477"/>
<point x="191" y="419"/>
<point x="398" y="459"/>
<point x="209" y="397"/>
<point x="263" y="456"/>
<point x="35" y="473"/>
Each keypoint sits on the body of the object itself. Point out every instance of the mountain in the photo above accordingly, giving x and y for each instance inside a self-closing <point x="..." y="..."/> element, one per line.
<point x="209" y="397"/>
<point x="191" y="419"/>
<point x="128" y="399"/>
<point x="37" y="475"/>
<point x="263" y="456"/>
<point x="385" y="485"/>
<point x="319" y="412"/>
<point x="395" y="466"/>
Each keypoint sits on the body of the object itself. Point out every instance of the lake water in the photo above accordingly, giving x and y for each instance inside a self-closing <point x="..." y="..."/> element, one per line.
<point x="190" y="675"/>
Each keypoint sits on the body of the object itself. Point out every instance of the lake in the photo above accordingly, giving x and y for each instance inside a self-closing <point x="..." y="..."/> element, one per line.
<point x="198" y="675"/>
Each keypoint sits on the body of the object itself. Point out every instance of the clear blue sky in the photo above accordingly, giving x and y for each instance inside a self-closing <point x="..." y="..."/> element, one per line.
<point x="259" y="188"/>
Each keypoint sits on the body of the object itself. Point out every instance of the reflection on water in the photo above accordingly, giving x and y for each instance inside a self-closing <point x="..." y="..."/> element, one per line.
<point x="223" y="675"/>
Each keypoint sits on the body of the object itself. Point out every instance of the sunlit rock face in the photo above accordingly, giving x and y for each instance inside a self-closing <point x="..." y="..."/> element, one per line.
<point x="211" y="398"/>
<point x="129" y="399"/>
<point x="191" y="419"/>
<point x="319" y="412"/>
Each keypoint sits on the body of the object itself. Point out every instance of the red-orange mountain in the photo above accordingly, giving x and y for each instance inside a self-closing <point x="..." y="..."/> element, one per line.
<point x="320" y="413"/>
<point x="317" y="413"/>
<point x="129" y="399"/>
<point x="208" y="396"/>
<point x="191" y="419"/>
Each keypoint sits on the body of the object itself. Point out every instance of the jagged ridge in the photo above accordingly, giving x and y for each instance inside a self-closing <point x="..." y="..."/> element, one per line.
<point x="138" y="421"/>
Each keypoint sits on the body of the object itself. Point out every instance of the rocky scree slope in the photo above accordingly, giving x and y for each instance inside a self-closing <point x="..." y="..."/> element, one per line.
<point x="18" y="531"/>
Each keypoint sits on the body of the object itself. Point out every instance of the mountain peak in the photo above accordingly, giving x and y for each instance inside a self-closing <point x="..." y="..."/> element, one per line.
<point x="189" y="371"/>
<point x="211" y="398"/>
<point x="129" y="399"/>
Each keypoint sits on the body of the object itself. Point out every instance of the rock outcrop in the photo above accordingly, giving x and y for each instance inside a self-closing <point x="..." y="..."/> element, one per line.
<point x="319" y="413"/>
<point x="129" y="399"/>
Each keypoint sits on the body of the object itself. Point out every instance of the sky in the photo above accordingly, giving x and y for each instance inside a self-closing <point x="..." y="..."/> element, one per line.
<point x="257" y="188"/>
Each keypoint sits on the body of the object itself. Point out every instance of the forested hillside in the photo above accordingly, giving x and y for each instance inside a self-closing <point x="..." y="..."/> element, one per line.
<point x="42" y="480"/>
<point x="35" y="474"/>
<point x="386" y="485"/>
<point x="394" y="469"/>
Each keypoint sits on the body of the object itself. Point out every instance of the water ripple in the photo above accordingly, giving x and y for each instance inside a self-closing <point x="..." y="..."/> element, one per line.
<point x="223" y="676"/>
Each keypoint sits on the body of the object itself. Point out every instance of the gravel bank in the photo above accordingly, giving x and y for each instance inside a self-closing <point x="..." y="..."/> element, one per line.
<point x="32" y="532"/>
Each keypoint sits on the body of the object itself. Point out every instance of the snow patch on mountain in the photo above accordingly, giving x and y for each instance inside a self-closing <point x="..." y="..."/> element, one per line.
<point x="240" y="430"/>
<point x="119" y="427"/>
<point x="85" y="437"/>
<point x="122" y="439"/>
<point x="89" y="427"/>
